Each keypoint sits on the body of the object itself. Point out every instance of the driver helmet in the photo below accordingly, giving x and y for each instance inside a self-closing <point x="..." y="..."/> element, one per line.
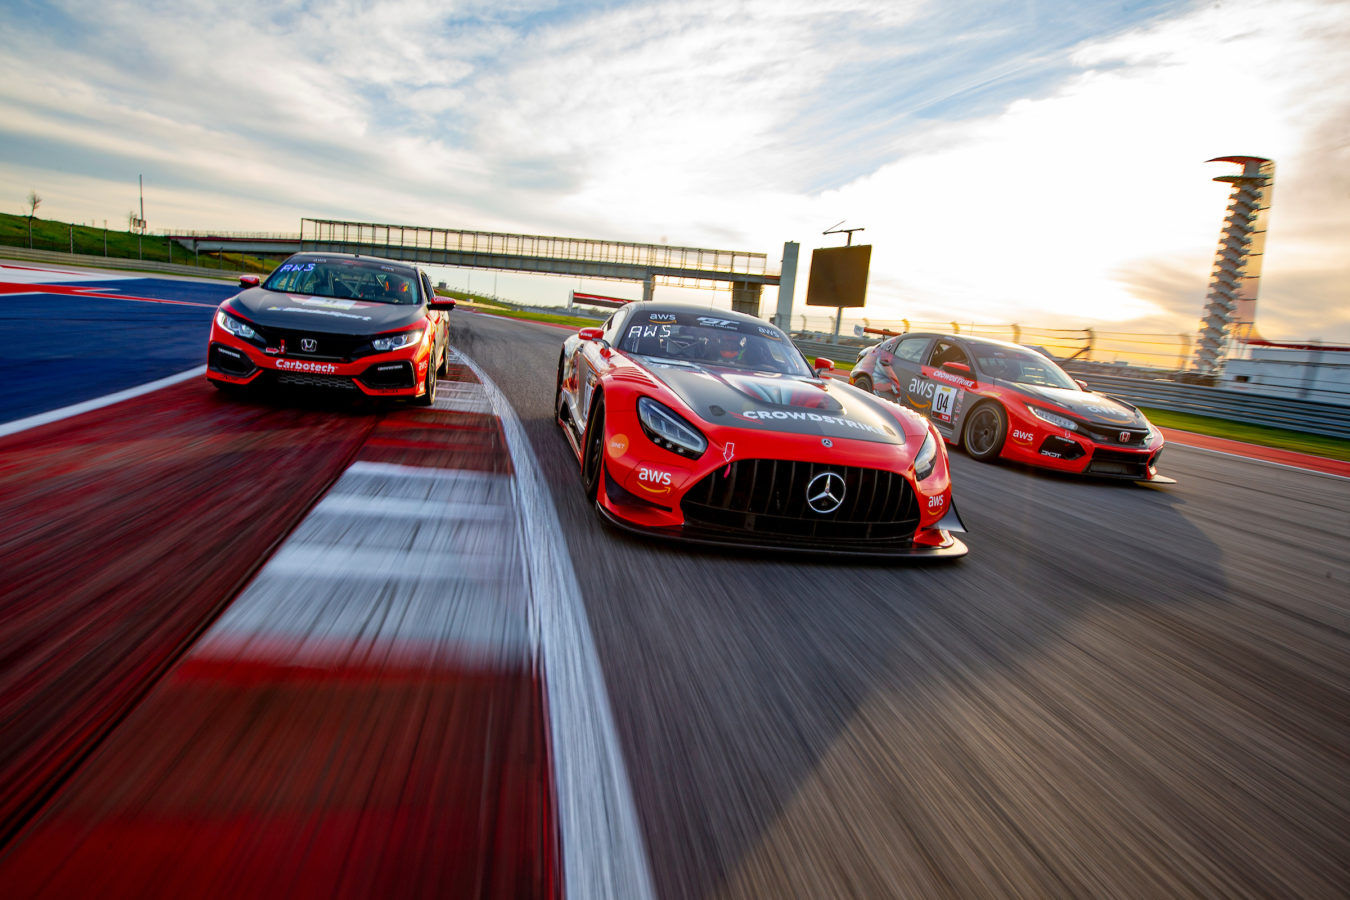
<point x="728" y="345"/>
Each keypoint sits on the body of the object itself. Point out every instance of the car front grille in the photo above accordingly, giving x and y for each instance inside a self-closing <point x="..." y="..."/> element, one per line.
<point x="389" y="375"/>
<point x="306" y="380"/>
<point x="1118" y="463"/>
<point x="769" y="497"/>
<point x="1103" y="434"/>
<point x="327" y="347"/>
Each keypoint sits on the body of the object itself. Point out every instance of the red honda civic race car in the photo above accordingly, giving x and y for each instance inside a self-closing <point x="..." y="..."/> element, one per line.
<point x="370" y="326"/>
<point x="1003" y="400"/>
<point x="710" y="426"/>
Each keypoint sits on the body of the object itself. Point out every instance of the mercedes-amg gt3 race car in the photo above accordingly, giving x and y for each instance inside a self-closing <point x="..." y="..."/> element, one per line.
<point x="1003" y="400"/>
<point x="371" y="326"/>
<point x="707" y="425"/>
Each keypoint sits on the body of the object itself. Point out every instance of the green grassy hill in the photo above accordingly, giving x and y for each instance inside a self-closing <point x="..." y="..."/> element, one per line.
<point x="66" y="237"/>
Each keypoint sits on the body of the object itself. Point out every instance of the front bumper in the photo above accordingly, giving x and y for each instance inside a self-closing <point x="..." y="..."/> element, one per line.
<point x="399" y="373"/>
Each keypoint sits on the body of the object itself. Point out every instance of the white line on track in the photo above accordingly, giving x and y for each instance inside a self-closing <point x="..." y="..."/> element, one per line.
<point x="66" y="412"/>
<point x="1257" y="459"/>
<point x="602" y="847"/>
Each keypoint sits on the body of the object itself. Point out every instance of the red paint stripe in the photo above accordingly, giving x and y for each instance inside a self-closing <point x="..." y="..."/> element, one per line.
<point x="1256" y="451"/>
<point x="11" y="287"/>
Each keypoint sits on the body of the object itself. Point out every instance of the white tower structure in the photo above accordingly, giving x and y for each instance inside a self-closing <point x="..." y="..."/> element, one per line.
<point x="1230" y="306"/>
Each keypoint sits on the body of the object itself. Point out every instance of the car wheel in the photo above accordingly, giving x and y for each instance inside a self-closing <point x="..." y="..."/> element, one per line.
<point x="427" y="398"/>
<point x="863" y="383"/>
<point x="986" y="428"/>
<point x="593" y="455"/>
<point x="444" y="367"/>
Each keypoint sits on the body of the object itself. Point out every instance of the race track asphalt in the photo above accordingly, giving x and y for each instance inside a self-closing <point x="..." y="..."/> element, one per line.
<point x="1121" y="691"/>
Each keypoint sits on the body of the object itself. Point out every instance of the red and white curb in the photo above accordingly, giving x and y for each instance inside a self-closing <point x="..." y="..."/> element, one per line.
<point x="602" y="847"/>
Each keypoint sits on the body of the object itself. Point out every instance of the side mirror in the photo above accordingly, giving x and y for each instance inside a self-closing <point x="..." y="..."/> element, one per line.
<point x="823" y="363"/>
<point x="957" y="367"/>
<point x="1082" y="384"/>
<point x="249" y="281"/>
<point x="444" y="303"/>
<point x="591" y="333"/>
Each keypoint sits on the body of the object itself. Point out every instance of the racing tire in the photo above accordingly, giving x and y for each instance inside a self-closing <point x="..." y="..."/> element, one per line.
<point x="444" y="367"/>
<point x="985" y="430"/>
<point x="864" y="383"/>
<point x="593" y="450"/>
<point x="557" y="391"/>
<point x="429" y="396"/>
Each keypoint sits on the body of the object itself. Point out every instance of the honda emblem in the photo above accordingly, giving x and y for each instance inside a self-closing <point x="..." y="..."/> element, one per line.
<point x="309" y="345"/>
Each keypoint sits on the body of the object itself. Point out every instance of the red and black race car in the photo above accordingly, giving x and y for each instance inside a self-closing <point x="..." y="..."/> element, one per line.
<point x="355" y="323"/>
<point x="1003" y="400"/>
<point x="708" y="425"/>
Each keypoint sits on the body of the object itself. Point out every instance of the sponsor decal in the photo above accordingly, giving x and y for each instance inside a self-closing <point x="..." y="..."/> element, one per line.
<point x="324" y="302"/>
<point x="953" y="378"/>
<point x="825" y="492"/>
<point x="763" y="415"/>
<point x="714" y="322"/>
<point x="662" y="318"/>
<point x="937" y="502"/>
<point x="769" y="333"/>
<point x="618" y="445"/>
<point x="297" y="267"/>
<point x="1023" y="437"/>
<point x="279" y="350"/>
<point x="295" y="365"/>
<point x="641" y="331"/>
<point x="1050" y="453"/>
<point x="654" y="480"/>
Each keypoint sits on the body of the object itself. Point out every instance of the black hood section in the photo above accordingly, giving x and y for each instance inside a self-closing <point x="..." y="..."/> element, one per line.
<point x="769" y="402"/>
<point x="1093" y="408"/>
<point x="323" y="315"/>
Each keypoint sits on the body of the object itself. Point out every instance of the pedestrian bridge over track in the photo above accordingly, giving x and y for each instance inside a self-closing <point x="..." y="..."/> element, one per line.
<point x="744" y="272"/>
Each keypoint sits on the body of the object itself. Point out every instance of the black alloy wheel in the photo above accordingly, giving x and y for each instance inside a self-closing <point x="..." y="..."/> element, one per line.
<point x="986" y="428"/>
<point x="863" y="383"/>
<point x="593" y="450"/>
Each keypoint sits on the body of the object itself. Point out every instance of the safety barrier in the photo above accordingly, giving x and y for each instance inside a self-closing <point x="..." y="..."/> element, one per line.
<point x="115" y="262"/>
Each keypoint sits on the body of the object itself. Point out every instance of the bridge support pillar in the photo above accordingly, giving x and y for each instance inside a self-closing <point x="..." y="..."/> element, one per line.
<point x="649" y="287"/>
<point x="745" y="297"/>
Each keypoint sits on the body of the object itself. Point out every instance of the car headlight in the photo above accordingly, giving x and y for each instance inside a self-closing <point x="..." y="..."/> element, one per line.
<point x="668" y="431"/>
<point x="926" y="461"/>
<point x="397" y="341"/>
<point x="234" y="326"/>
<point x="1056" y="420"/>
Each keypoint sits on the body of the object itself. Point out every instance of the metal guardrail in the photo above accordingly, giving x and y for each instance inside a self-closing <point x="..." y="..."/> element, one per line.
<point x="1326" y="419"/>
<point x="1309" y="417"/>
<point x="116" y="262"/>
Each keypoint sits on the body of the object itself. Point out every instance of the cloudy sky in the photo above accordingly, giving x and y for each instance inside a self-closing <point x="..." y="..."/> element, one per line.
<point x="1032" y="162"/>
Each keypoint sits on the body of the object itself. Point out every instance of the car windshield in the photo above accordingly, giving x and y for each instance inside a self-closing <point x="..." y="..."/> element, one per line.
<point x="345" y="280"/>
<point x="1021" y="366"/>
<point x="709" y="339"/>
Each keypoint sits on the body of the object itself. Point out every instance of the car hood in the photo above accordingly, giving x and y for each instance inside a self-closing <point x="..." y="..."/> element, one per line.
<point x="768" y="402"/>
<point x="1091" y="407"/>
<point x="276" y="309"/>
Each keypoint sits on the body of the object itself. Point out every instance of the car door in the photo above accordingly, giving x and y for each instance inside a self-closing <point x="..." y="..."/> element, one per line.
<point x="590" y="361"/>
<point x="946" y="379"/>
<point x="905" y="366"/>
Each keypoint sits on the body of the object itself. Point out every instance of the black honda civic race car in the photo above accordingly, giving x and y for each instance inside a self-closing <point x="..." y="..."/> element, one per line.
<point x="368" y="326"/>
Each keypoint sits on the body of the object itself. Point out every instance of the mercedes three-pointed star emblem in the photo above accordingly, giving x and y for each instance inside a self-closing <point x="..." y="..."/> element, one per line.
<point x="825" y="492"/>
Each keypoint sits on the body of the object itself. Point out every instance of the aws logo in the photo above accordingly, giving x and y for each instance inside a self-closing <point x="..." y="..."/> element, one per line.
<point x="936" y="503"/>
<point x="654" y="481"/>
<point x="1023" y="437"/>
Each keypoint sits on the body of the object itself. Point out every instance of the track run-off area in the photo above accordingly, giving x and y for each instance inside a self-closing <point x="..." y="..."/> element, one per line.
<point x="294" y="646"/>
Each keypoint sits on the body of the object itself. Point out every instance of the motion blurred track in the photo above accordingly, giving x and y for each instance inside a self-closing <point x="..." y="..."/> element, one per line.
<point x="1122" y="690"/>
